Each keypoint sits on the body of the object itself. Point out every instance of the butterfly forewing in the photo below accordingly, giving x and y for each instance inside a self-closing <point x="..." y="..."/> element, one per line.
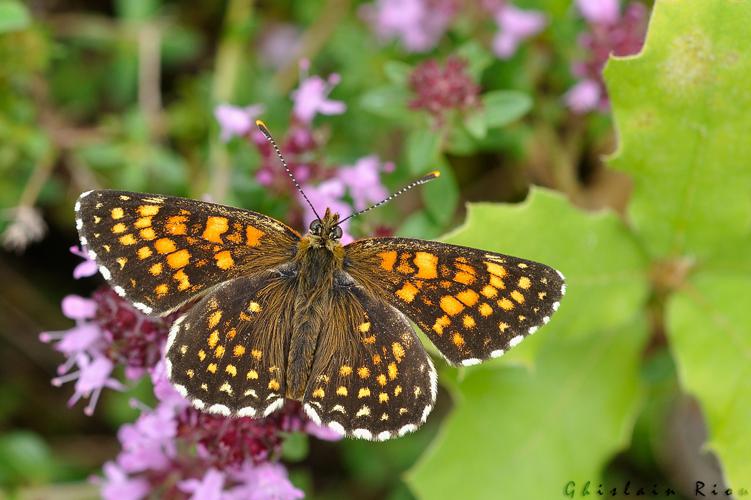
<point x="227" y="354"/>
<point x="160" y="251"/>
<point x="379" y="382"/>
<point x="471" y="304"/>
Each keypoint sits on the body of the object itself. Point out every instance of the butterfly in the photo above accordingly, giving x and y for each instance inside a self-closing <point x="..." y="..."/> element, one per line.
<point x="277" y="315"/>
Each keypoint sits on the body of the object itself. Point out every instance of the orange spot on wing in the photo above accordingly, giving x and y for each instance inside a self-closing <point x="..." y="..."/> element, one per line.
<point x="253" y="236"/>
<point x="345" y="370"/>
<point x="212" y="367"/>
<point x="468" y="297"/>
<point x="128" y="239"/>
<point x="148" y="233"/>
<point x="238" y="351"/>
<point x="161" y="290"/>
<point x="496" y="269"/>
<point x="505" y="304"/>
<point x="179" y="259"/>
<point x="142" y="222"/>
<point x="457" y="339"/>
<point x="183" y="280"/>
<point x="485" y="309"/>
<point x="393" y="371"/>
<point x="156" y="269"/>
<point x="274" y="384"/>
<point x="224" y="259"/>
<point x="117" y="213"/>
<point x="363" y="372"/>
<point x="213" y="339"/>
<point x="489" y="291"/>
<point x="524" y="283"/>
<point x="407" y="292"/>
<point x="427" y="265"/>
<point x="517" y="296"/>
<point x="388" y="259"/>
<point x="398" y="350"/>
<point x="215" y="227"/>
<point x="464" y="278"/>
<point x="440" y="324"/>
<point x="219" y="352"/>
<point x="381" y="379"/>
<point x="165" y="245"/>
<point x="176" y="225"/>
<point x="468" y="321"/>
<point x="214" y="319"/>
<point x="148" y="210"/>
<point x="118" y="228"/>
<point x="450" y="305"/>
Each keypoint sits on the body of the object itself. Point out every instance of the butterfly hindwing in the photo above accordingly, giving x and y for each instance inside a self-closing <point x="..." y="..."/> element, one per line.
<point x="160" y="251"/>
<point x="378" y="382"/>
<point x="227" y="354"/>
<point x="471" y="304"/>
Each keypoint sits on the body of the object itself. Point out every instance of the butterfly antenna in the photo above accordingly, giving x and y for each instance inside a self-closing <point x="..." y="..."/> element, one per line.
<point x="265" y="131"/>
<point x="422" y="180"/>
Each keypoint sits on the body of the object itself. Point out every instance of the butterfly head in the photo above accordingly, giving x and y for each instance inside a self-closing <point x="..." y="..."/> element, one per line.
<point x="325" y="232"/>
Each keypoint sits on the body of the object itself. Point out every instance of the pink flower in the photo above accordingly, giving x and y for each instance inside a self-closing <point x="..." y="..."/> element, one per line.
<point x="262" y="482"/>
<point x="312" y="98"/>
<point x="608" y="33"/>
<point x="584" y="96"/>
<point x="439" y="89"/>
<point x="208" y="488"/>
<point x="418" y="24"/>
<point x="599" y="11"/>
<point x="363" y="180"/>
<point x="86" y="268"/>
<point x="515" y="26"/>
<point x="236" y="121"/>
<point x="116" y="485"/>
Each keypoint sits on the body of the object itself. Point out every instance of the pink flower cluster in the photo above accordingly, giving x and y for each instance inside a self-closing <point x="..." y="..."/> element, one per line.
<point x="420" y="24"/>
<point x="178" y="452"/>
<point x="344" y="189"/>
<point x="609" y="32"/>
<point x="438" y="90"/>
<point x="173" y="450"/>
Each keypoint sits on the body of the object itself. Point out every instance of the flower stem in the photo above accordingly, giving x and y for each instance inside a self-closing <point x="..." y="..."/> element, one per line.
<point x="233" y="46"/>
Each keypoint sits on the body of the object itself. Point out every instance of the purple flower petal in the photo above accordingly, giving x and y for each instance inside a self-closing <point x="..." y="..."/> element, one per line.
<point x="85" y="269"/>
<point x="77" y="307"/>
<point x="208" y="488"/>
<point x="236" y="121"/>
<point x="116" y="484"/>
<point x="600" y="11"/>
<point x="312" y="98"/>
<point x="584" y="96"/>
<point x="515" y="25"/>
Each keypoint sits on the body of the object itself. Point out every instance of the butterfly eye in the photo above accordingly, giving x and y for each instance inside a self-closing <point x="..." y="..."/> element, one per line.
<point x="336" y="232"/>
<point x="315" y="226"/>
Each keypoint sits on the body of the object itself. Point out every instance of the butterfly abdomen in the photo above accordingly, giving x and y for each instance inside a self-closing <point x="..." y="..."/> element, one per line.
<point x="314" y="282"/>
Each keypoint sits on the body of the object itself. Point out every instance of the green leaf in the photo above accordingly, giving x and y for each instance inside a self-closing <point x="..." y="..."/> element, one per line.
<point x="681" y="110"/>
<point x="419" y="225"/>
<point x="476" y="124"/>
<point x="606" y="272"/>
<point x="423" y="146"/>
<point x="478" y="58"/>
<point x="24" y="457"/>
<point x="389" y="101"/>
<point x="14" y="16"/>
<point x="709" y="324"/>
<point x="519" y="433"/>
<point x="441" y="196"/>
<point x="505" y="106"/>
<point x="397" y="72"/>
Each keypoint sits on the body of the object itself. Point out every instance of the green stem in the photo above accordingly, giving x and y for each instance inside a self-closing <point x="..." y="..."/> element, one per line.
<point x="233" y="47"/>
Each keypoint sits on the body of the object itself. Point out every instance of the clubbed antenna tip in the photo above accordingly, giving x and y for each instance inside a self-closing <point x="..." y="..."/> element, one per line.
<point x="422" y="180"/>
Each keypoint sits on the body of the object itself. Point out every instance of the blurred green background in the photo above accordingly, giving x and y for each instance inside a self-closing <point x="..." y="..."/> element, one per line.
<point x="642" y="377"/>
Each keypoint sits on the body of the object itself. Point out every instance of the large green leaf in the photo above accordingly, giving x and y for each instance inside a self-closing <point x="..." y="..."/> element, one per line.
<point x="709" y="324"/>
<point x="523" y="434"/>
<point x="606" y="272"/>
<point x="681" y="109"/>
